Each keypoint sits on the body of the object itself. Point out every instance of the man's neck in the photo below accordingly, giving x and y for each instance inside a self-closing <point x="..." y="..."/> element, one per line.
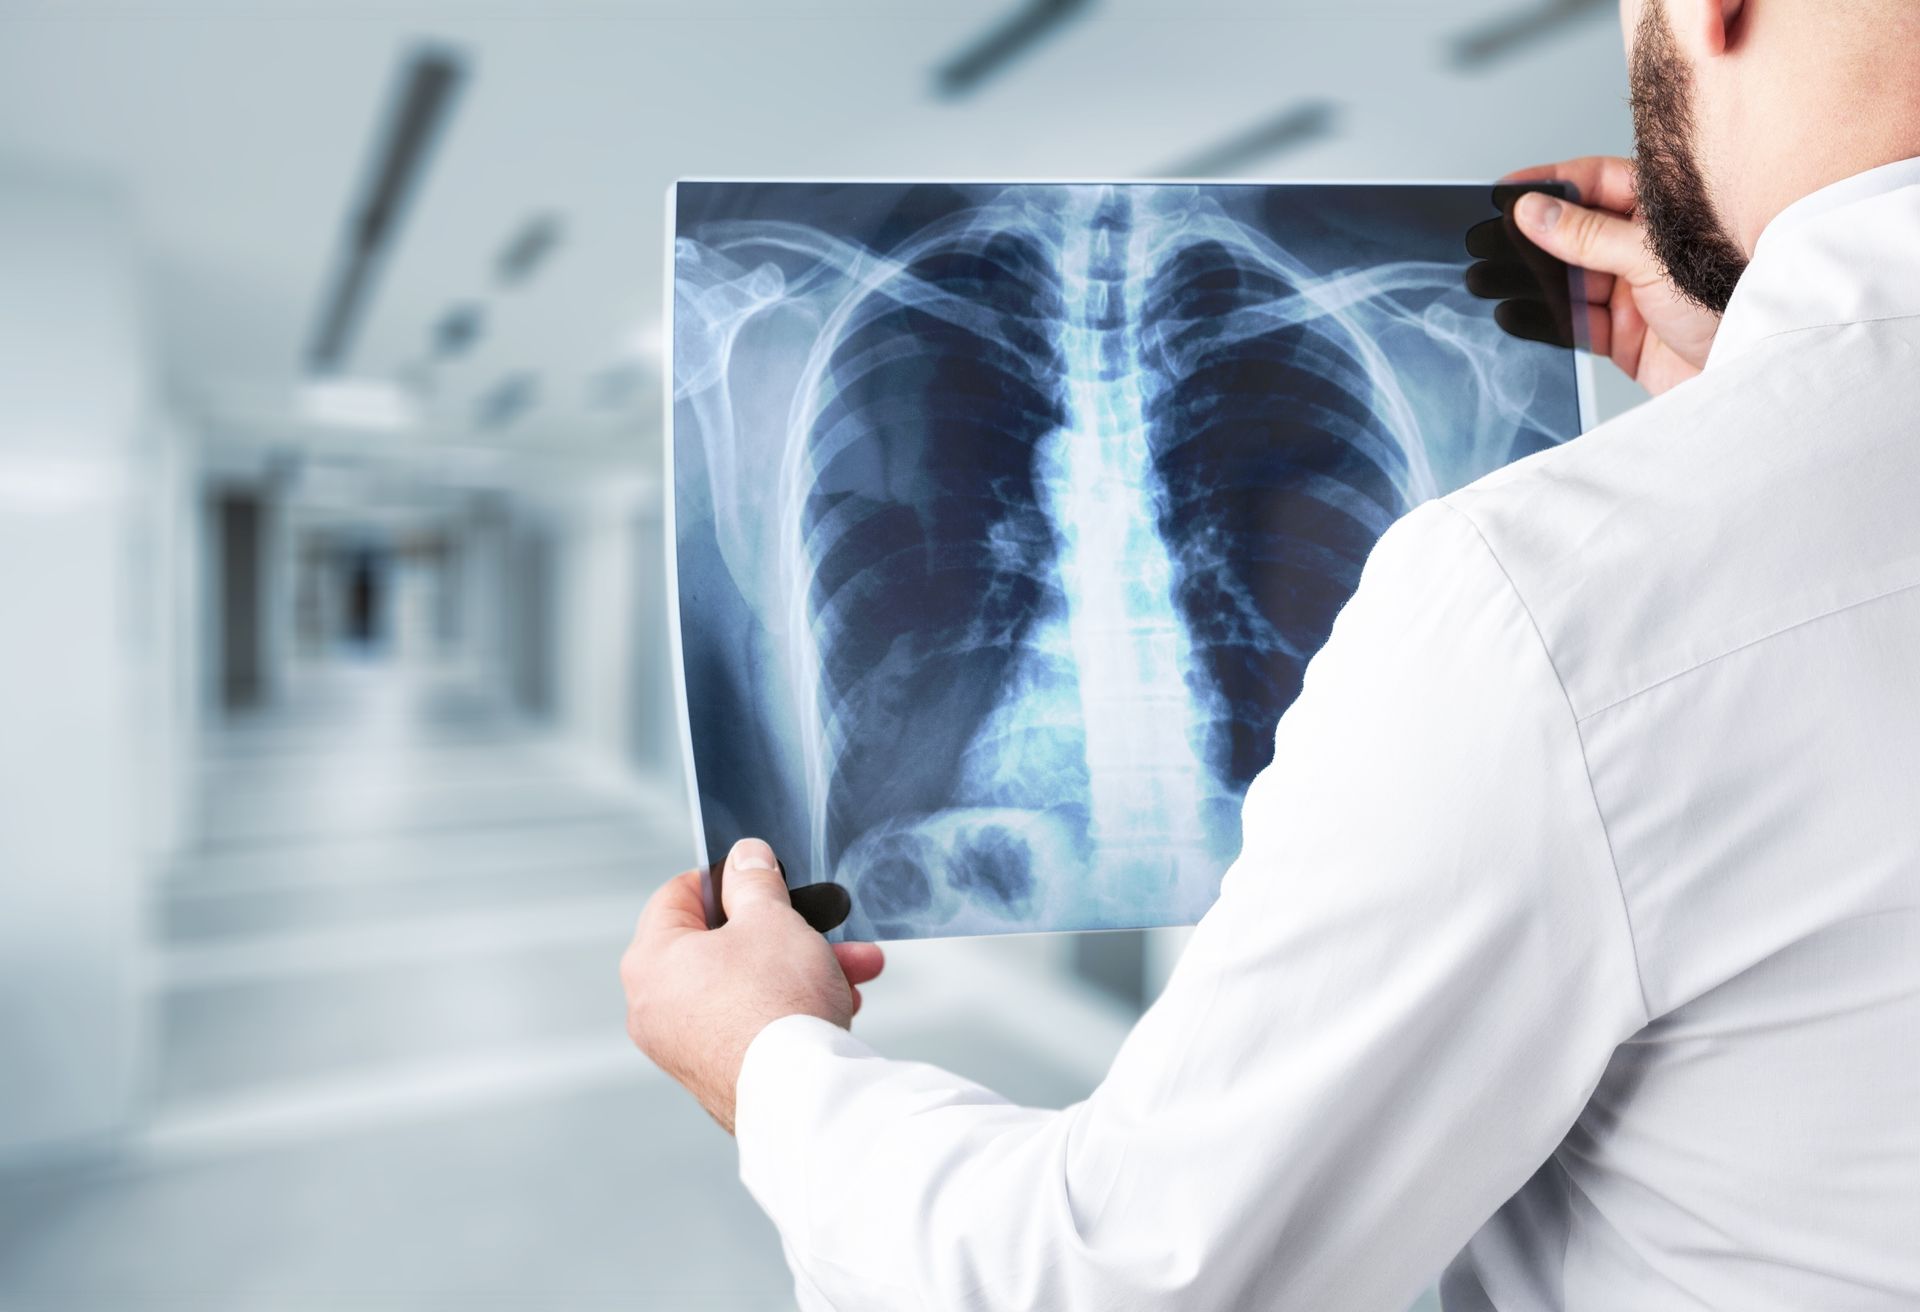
<point x="1829" y="100"/>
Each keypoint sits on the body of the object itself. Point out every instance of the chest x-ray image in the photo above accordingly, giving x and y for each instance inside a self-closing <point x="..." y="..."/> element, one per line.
<point x="1006" y="517"/>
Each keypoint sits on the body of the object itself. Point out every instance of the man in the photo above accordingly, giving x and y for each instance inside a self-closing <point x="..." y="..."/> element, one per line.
<point x="1576" y="933"/>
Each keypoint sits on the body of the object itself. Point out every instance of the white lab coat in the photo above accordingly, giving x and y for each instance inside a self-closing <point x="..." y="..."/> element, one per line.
<point x="1576" y="931"/>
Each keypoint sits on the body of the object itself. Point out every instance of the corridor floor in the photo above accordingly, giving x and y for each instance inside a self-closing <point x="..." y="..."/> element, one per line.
<point x="387" y="1063"/>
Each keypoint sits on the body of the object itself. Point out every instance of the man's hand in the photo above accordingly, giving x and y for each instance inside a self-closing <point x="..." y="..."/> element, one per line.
<point x="1634" y="315"/>
<point x="697" y="997"/>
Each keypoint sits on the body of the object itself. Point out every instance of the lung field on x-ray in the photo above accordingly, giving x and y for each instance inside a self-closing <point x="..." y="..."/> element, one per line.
<point x="1070" y="484"/>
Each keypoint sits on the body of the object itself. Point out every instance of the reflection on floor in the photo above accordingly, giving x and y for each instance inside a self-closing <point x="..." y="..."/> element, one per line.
<point x="389" y="1068"/>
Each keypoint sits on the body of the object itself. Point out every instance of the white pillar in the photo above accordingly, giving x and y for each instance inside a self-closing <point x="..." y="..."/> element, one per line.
<point x="74" y="398"/>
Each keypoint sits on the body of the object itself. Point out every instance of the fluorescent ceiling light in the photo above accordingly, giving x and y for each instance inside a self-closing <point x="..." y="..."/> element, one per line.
<point x="357" y="403"/>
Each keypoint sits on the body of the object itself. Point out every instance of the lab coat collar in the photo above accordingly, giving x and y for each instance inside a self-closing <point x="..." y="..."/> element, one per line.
<point x="1847" y="253"/>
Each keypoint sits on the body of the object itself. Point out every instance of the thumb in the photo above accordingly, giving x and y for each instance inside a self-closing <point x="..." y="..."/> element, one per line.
<point x="751" y="877"/>
<point x="1589" y="239"/>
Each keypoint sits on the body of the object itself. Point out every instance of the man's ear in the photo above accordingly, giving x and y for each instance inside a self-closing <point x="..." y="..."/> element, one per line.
<point x="1704" y="29"/>
<point x="1721" y="22"/>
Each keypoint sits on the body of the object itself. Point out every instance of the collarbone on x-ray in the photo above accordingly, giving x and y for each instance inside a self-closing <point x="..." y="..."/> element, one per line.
<point x="1008" y="516"/>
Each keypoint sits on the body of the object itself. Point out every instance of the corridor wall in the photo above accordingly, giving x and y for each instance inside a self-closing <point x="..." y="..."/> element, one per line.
<point x="75" y="399"/>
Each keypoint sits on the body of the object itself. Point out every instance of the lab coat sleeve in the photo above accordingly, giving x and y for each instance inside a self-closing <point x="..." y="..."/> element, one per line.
<point x="1416" y="971"/>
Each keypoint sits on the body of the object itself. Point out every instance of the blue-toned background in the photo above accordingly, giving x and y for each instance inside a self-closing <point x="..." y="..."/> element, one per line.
<point x="1009" y="515"/>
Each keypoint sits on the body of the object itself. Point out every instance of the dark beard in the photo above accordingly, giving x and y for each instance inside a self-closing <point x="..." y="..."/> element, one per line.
<point x="1683" y="228"/>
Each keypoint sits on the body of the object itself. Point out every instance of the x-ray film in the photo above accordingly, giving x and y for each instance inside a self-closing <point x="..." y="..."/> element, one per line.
<point x="1007" y="516"/>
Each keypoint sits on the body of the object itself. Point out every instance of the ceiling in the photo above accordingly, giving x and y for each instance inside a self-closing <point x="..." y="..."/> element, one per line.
<point x="242" y="134"/>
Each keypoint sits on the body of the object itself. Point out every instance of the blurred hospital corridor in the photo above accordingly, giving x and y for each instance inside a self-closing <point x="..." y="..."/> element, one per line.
<point x="388" y="1065"/>
<point x="394" y="875"/>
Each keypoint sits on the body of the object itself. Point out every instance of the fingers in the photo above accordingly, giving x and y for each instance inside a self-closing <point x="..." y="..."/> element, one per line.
<point x="1625" y="337"/>
<point x="1603" y="181"/>
<point x="1596" y="287"/>
<point x="862" y="962"/>
<point x="1495" y="281"/>
<point x="751" y="879"/>
<point x="823" y="906"/>
<point x="1535" y="321"/>
<point x="674" y="908"/>
<point x="1587" y="238"/>
<point x="1601" y="337"/>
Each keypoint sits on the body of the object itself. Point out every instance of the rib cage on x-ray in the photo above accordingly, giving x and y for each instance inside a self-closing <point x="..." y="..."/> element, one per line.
<point x="1073" y="483"/>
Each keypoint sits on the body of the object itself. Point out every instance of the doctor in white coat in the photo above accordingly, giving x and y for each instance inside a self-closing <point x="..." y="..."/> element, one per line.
<point x="1574" y="947"/>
